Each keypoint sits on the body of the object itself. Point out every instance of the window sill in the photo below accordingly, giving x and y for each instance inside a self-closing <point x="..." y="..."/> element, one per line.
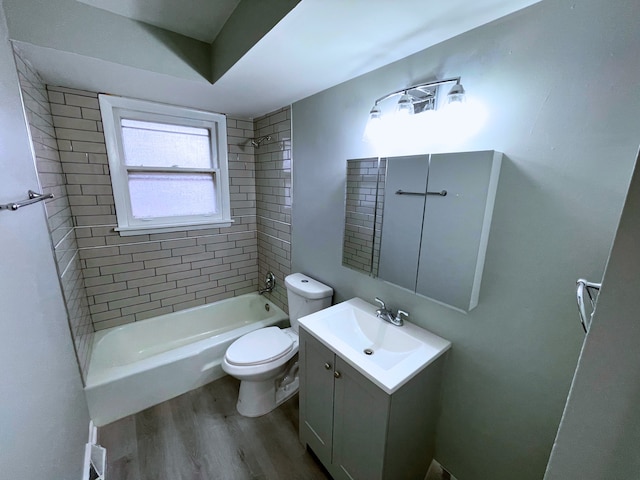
<point x="144" y="230"/>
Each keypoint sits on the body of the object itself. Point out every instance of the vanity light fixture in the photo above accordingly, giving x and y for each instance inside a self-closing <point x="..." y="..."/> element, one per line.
<point x="416" y="99"/>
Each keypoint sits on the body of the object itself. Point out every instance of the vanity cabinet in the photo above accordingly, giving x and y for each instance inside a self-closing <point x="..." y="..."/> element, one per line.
<point x="355" y="428"/>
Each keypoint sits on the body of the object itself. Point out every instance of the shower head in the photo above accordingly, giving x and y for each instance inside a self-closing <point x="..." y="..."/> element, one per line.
<point x="257" y="141"/>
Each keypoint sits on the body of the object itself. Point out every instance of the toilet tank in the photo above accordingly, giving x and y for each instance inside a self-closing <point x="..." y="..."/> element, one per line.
<point x="305" y="296"/>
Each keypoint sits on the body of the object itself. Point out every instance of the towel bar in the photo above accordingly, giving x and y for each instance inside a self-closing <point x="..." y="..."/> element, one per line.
<point x="34" y="197"/>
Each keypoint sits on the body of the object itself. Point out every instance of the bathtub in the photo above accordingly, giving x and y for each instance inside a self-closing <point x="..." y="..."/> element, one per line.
<point x="141" y="364"/>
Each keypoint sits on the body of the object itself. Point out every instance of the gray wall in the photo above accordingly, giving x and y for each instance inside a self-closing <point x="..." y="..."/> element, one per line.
<point x="75" y="27"/>
<point x="43" y="414"/>
<point x="559" y="80"/>
<point x="600" y="430"/>
<point x="248" y="23"/>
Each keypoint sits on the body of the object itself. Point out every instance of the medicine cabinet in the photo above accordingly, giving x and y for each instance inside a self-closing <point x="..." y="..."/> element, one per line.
<point x="422" y="222"/>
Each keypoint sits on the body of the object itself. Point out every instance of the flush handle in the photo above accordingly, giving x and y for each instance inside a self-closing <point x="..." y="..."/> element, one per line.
<point x="337" y="374"/>
<point x="327" y="366"/>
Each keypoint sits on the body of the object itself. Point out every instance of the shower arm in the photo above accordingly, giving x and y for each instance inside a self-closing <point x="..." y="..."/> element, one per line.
<point x="256" y="142"/>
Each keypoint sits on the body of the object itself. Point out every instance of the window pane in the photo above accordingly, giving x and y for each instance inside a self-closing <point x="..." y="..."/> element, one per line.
<point x="161" y="145"/>
<point x="169" y="195"/>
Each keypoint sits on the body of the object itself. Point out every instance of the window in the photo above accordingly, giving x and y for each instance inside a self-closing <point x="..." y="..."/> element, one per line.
<point x="168" y="166"/>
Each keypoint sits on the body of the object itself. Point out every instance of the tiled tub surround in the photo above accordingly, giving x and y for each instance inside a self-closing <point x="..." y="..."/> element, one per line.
<point x="51" y="175"/>
<point x="137" y="277"/>
<point x="273" y="195"/>
<point x="110" y="280"/>
<point x="158" y="274"/>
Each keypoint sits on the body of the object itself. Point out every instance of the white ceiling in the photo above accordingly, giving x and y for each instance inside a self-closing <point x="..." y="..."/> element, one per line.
<point x="199" y="19"/>
<point x="319" y="44"/>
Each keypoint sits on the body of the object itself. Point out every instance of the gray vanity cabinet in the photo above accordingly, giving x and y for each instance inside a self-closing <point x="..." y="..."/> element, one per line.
<point x="360" y="419"/>
<point x="356" y="429"/>
<point x="316" y="403"/>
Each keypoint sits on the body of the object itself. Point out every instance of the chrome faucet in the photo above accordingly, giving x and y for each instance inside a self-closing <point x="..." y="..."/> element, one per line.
<point x="389" y="316"/>
<point x="269" y="283"/>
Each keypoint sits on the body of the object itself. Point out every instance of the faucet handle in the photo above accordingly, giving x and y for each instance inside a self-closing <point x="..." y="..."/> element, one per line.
<point x="384" y="307"/>
<point x="399" y="315"/>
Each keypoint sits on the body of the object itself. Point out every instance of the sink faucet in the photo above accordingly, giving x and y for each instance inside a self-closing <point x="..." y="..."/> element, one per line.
<point x="389" y="316"/>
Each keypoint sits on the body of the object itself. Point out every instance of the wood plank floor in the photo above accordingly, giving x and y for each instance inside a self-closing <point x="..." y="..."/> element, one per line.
<point x="201" y="436"/>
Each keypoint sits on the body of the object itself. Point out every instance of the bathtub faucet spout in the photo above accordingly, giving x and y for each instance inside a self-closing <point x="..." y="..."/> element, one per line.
<point x="269" y="283"/>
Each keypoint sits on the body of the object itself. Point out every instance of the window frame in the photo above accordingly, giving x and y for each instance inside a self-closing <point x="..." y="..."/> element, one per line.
<point x="113" y="109"/>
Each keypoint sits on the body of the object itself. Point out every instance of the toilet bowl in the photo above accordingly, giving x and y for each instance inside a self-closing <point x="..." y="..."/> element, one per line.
<point x="265" y="360"/>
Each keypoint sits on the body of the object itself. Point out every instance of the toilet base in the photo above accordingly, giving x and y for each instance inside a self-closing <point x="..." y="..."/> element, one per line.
<point x="259" y="398"/>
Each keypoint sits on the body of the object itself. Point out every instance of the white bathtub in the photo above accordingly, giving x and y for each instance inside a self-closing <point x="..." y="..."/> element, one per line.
<point x="141" y="364"/>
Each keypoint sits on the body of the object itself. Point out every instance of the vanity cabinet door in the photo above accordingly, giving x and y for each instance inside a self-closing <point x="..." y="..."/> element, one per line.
<point x="316" y="396"/>
<point x="361" y="412"/>
<point x="456" y="228"/>
<point x="355" y="428"/>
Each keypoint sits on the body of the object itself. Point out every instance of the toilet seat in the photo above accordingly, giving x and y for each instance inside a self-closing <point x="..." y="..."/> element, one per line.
<point x="261" y="346"/>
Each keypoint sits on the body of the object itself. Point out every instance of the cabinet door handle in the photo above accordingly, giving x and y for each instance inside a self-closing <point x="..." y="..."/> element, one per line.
<point x="327" y="366"/>
<point x="337" y="374"/>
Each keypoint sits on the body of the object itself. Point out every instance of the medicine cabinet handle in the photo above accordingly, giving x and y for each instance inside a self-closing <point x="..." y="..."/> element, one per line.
<point x="442" y="193"/>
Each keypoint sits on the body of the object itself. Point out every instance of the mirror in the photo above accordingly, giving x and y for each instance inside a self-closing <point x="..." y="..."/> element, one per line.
<point x="422" y="222"/>
<point x="363" y="206"/>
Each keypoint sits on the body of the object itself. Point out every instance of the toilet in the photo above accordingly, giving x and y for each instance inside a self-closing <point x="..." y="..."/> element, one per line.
<point x="266" y="360"/>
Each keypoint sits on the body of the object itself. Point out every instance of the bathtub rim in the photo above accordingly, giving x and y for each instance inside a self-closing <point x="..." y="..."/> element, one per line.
<point x="119" y="372"/>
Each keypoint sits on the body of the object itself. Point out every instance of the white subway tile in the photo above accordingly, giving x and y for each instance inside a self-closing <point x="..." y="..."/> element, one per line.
<point x="81" y="101"/>
<point x="127" y="302"/>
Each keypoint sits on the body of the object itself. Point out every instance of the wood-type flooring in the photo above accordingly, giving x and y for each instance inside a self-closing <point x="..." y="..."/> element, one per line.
<point x="201" y="436"/>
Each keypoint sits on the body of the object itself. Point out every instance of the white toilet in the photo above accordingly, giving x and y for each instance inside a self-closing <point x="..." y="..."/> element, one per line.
<point x="266" y="360"/>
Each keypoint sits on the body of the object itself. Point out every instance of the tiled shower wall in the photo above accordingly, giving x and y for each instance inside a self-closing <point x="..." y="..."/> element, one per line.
<point x="51" y="175"/>
<point x="114" y="280"/>
<point x="137" y="277"/>
<point x="273" y="190"/>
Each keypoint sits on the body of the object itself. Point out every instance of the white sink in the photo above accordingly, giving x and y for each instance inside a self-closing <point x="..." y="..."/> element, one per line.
<point x="386" y="354"/>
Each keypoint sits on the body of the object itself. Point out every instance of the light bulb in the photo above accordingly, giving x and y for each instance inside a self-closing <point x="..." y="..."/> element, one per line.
<point x="456" y="94"/>
<point x="374" y="124"/>
<point x="375" y="112"/>
<point x="405" y="105"/>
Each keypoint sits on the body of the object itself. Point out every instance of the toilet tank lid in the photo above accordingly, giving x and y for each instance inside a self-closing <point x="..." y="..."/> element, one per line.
<point x="307" y="287"/>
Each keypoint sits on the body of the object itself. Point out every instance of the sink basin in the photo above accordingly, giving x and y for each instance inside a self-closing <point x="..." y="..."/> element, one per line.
<point x="386" y="354"/>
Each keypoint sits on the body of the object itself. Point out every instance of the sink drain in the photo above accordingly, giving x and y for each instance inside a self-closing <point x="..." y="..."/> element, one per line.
<point x="368" y="351"/>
